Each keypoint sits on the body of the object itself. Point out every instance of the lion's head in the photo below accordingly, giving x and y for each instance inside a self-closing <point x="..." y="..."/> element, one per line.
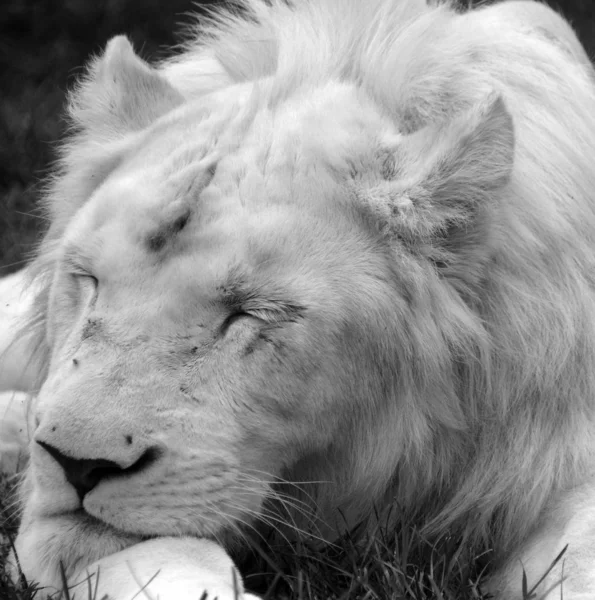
<point x="284" y="270"/>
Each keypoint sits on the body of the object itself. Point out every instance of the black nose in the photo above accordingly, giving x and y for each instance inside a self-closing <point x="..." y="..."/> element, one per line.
<point x="85" y="473"/>
<point x="82" y="473"/>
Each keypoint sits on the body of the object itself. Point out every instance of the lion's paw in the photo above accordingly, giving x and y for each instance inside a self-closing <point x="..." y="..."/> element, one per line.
<point x="166" y="568"/>
<point x="14" y="435"/>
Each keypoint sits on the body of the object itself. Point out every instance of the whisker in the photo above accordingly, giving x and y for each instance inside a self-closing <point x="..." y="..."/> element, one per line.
<point x="273" y="518"/>
<point x="305" y="508"/>
<point x="263" y="518"/>
<point x="278" y="479"/>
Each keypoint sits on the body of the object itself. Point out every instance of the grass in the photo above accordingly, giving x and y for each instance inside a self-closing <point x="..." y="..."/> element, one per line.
<point x="395" y="564"/>
<point x="43" y="44"/>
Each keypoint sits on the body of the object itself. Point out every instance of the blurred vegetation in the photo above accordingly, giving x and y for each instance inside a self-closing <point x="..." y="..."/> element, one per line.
<point x="43" y="47"/>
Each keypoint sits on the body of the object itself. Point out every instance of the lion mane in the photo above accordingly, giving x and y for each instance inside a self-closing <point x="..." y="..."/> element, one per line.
<point x="437" y="344"/>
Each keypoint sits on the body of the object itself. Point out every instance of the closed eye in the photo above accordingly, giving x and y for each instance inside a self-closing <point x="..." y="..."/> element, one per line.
<point x="263" y="317"/>
<point x="85" y="281"/>
<point x="85" y="277"/>
<point x="87" y="286"/>
<point x="233" y="318"/>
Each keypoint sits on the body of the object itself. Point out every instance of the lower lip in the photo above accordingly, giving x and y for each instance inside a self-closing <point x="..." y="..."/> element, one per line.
<point x="83" y="519"/>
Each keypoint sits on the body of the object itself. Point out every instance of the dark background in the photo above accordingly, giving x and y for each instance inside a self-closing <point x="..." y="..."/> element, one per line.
<point x="43" y="46"/>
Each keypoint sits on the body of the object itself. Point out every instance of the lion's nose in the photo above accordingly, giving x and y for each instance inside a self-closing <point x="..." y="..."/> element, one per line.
<point x="85" y="473"/>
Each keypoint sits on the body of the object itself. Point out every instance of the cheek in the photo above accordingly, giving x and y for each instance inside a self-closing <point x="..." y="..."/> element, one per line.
<point x="291" y="409"/>
<point x="230" y="407"/>
<point x="283" y="391"/>
<point x="70" y="299"/>
<point x="59" y="325"/>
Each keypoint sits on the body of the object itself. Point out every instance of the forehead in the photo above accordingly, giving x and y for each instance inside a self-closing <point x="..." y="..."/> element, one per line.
<point x="224" y="166"/>
<point x="251" y="136"/>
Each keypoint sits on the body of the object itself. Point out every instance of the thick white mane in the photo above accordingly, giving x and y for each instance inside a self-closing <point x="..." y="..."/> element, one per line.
<point x="516" y="363"/>
<point x="422" y="65"/>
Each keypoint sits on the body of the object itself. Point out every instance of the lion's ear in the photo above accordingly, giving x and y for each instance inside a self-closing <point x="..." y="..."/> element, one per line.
<point x="442" y="189"/>
<point x="121" y="93"/>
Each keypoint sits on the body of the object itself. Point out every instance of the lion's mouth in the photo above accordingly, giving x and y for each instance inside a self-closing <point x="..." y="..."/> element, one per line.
<point x="92" y="523"/>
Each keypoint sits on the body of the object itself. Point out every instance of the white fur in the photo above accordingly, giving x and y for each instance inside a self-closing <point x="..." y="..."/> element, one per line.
<point x="17" y="368"/>
<point x="14" y="432"/>
<point x="16" y="373"/>
<point x="567" y="526"/>
<point x="165" y="568"/>
<point x="407" y="192"/>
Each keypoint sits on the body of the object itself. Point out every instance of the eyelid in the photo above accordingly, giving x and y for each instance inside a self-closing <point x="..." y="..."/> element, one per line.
<point x="80" y="274"/>
<point x="266" y="315"/>
<point x="231" y="319"/>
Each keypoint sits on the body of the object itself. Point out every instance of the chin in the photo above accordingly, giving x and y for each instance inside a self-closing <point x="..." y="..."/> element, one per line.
<point x="68" y="542"/>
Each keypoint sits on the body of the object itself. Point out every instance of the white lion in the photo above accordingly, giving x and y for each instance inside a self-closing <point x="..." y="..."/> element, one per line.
<point x="341" y="242"/>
